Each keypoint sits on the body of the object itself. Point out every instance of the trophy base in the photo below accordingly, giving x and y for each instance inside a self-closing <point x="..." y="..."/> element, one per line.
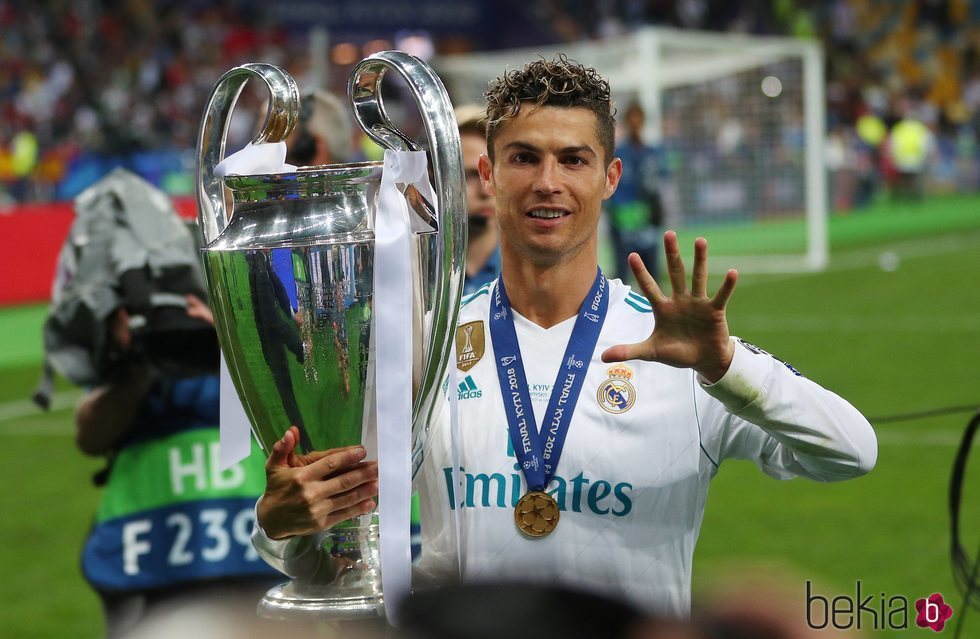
<point x="346" y="582"/>
<point x="295" y="601"/>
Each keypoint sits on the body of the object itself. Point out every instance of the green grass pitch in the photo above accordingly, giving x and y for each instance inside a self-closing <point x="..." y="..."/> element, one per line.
<point x="892" y="341"/>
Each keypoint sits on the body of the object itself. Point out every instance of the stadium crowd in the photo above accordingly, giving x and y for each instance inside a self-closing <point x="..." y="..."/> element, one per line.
<point x="87" y="86"/>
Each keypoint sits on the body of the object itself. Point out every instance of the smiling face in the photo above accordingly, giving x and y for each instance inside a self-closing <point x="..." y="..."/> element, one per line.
<point x="549" y="177"/>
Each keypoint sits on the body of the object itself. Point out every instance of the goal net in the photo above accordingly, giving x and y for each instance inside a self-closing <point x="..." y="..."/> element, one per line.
<point x="741" y="119"/>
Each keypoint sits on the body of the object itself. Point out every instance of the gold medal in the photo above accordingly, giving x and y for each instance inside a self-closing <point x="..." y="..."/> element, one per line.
<point x="536" y="514"/>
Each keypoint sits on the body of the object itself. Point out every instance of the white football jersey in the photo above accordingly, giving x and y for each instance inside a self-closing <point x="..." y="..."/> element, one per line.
<point x="643" y="443"/>
<point x="632" y="479"/>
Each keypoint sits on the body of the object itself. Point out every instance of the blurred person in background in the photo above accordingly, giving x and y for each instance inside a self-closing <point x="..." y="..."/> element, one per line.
<point x="165" y="554"/>
<point x="636" y="208"/>
<point x="910" y="147"/>
<point x="168" y="553"/>
<point x="483" y="244"/>
<point x="323" y="131"/>
<point x="498" y="609"/>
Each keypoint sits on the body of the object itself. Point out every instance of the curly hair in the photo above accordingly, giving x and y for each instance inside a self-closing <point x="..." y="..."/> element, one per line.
<point x="558" y="82"/>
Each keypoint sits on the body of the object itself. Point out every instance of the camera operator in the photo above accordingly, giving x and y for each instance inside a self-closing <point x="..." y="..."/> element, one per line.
<point x="168" y="553"/>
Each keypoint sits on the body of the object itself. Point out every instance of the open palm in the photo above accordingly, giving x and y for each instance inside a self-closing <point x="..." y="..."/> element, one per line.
<point x="690" y="329"/>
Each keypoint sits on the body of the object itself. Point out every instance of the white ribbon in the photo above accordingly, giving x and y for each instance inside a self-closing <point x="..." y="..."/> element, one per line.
<point x="233" y="423"/>
<point x="255" y="159"/>
<point x="393" y="388"/>
<point x="234" y="434"/>
<point x="454" y="454"/>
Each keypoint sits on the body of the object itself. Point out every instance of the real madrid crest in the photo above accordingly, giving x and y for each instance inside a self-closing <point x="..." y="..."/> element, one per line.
<point x="617" y="394"/>
<point x="470" y="344"/>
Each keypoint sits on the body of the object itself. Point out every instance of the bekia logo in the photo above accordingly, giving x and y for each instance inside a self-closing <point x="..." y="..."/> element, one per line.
<point x="878" y="612"/>
<point x="932" y="612"/>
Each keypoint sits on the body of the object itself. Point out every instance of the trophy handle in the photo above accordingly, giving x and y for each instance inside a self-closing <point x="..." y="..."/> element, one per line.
<point x="446" y="158"/>
<point x="281" y="117"/>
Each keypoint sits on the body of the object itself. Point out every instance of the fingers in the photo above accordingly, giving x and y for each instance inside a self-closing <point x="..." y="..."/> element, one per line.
<point x="334" y="461"/>
<point x="340" y="504"/>
<point x="361" y="508"/>
<point x="346" y="496"/>
<point x="283" y="449"/>
<point x="297" y="461"/>
<point x="675" y="266"/>
<point x="198" y="309"/>
<point x="353" y="479"/>
<point x="623" y="352"/>
<point x="649" y="285"/>
<point x="699" y="277"/>
<point x="720" y="300"/>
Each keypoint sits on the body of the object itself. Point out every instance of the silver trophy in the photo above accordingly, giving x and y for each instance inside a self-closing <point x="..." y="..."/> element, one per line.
<point x="289" y="261"/>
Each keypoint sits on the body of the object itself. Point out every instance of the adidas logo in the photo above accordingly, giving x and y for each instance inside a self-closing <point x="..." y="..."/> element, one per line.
<point x="468" y="389"/>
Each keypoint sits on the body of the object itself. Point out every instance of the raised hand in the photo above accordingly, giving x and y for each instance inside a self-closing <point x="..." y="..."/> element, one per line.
<point x="690" y="329"/>
<point x="308" y="493"/>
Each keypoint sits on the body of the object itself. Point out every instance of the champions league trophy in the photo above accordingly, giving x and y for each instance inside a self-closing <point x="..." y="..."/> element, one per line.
<point x="289" y="259"/>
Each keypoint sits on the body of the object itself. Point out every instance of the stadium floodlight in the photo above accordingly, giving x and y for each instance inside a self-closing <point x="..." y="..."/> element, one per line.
<point x="741" y="118"/>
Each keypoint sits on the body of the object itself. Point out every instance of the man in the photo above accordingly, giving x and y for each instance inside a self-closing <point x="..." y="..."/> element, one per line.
<point x="323" y="132"/>
<point x="483" y="246"/>
<point x="636" y="208"/>
<point x="147" y="554"/>
<point x="609" y="498"/>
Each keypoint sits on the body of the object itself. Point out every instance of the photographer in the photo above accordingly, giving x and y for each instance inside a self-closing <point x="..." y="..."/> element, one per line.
<point x="168" y="552"/>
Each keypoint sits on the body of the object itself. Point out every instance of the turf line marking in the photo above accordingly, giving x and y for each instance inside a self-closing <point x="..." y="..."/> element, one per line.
<point x="61" y="430"/>
<point x="868" y="256"/>
<point x="810" y="323"/>
<point x="942" y="438"/>
<point x="20" y="408"/>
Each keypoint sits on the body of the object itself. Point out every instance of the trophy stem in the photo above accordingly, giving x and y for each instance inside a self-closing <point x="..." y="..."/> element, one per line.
<point x="346" y="584"/>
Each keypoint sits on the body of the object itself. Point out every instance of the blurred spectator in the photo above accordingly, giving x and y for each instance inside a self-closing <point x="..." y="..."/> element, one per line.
<point x="636" y="208"/>
<point x="493" y="610"/>
<point x="169" y="543"/>
<point x="96" y="86"/>
<point x="483" y="246"/>
<point x="758" y="603"/>
<point x="910" y="146"/>
<point x="323" y="132"/>
<point x="871" y="133"/>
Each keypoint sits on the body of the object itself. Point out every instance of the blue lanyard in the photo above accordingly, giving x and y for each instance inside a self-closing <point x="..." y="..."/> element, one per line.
<point x="538" y="453"/>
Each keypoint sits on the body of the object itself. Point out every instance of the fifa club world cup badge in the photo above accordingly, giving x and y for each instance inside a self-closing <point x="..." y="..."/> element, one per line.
<point x="616" y="394"/>
<point x="470" y="345"/>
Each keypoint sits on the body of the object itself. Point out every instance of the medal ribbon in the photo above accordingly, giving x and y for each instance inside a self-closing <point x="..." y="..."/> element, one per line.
<point x="538" y="453"/>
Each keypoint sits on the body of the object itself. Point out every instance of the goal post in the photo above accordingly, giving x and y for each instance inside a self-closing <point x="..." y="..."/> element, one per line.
<point x="741" y="119"/>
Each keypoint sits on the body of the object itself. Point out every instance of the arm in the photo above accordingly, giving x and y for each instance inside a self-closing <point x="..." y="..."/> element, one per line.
<point x="105" y="413"/>
<point x="786" y="423"/>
